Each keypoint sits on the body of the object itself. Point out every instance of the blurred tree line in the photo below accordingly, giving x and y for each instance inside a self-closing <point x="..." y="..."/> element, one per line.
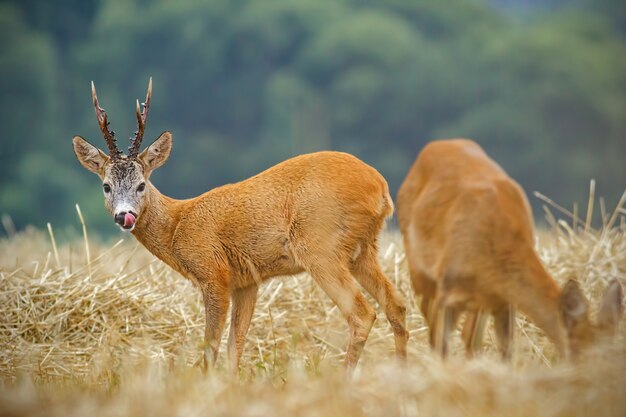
<point x="244" y="84"/>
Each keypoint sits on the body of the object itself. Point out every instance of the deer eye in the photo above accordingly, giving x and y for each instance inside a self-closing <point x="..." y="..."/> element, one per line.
<point x="106" y="188"/>
<point x="141" y="187"/>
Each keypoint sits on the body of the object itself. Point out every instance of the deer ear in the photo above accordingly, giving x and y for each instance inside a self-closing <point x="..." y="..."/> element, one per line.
<point x="157" y="153"/>
<point x="573" y="305"/>
<point x="92" y="158"/>
<point x="611" y="309"/>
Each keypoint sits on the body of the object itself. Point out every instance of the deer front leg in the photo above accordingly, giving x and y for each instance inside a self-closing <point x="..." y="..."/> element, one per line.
<point x="244" y="300"/>
<point x="216" y="300"/>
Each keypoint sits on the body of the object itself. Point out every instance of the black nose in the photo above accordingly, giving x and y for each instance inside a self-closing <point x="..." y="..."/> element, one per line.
<point x="119" y="218"/>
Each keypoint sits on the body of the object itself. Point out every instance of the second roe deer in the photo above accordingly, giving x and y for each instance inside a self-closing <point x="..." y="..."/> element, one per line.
<point x="320" y="213"/>
<point x="469" y="239"/>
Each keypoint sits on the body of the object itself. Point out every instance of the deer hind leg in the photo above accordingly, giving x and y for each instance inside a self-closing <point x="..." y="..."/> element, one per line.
<point x="216" y="300"/>
<point x="504" y="325"/>
<point x="445" y="315"/>
<point x="366" y="270"/>
<point x="440" y="328"/>
<point x="425" y="307"/>
<point x="428" y="309"/>
<point x="244" y="300"/>
<point x="444" y="321"/>
<point x="473" y="331"/>
<point x="427" y="288"/>
<point x="339" y="285"/>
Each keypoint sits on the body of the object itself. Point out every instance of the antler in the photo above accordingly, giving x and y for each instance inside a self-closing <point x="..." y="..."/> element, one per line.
<point x="142" y="116"/>
<point x="109" y="136"/>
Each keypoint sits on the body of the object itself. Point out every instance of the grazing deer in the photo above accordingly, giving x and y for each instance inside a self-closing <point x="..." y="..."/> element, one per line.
<point x="320" y="213"/>
<point x="468" y="233"/>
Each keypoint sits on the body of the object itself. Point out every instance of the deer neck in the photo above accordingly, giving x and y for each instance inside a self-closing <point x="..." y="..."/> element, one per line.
<point x="157" y="223"/>
<point x="539" y="299"/>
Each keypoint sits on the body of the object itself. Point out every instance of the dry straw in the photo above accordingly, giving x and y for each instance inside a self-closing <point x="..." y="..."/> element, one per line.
<point x="87" y="328"/>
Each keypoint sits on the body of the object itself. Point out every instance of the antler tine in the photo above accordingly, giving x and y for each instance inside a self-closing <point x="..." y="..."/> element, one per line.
<point x="101" y="115"/>
<point x="142" y="116"/>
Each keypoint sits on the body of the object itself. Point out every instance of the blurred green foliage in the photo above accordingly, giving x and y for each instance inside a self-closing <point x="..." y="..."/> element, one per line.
<point x="244" y="84"/>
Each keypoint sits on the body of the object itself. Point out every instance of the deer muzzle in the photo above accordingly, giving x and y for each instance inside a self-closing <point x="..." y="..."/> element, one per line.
<point x="126" y="220"/>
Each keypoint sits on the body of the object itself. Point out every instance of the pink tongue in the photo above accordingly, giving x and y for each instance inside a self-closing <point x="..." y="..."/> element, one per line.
<point x="129" y="220"/>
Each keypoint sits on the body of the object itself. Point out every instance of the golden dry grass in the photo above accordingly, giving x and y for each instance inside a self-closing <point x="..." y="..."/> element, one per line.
<point x="121" y="334"/>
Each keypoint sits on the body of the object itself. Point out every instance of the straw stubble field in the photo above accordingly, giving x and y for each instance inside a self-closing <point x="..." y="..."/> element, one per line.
<point x="106" y="329"/>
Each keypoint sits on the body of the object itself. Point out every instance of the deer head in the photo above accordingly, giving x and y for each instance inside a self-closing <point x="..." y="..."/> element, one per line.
<point x="574" y="310"/>
<point x="124" y="177"/>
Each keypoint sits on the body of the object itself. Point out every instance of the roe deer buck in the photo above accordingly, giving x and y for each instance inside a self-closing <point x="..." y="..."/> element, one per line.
<point x="320" y="213"/>
<point x="468" y="234"/>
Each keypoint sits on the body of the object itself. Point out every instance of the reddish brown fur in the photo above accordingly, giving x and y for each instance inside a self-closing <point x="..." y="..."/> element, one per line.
<point x="468" y="233"/>
<point x="311" y="213"/>
<point x="320" y="213"/>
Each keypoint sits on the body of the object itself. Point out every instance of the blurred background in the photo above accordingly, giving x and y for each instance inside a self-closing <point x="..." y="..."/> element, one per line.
<point x="244" y="84"/>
